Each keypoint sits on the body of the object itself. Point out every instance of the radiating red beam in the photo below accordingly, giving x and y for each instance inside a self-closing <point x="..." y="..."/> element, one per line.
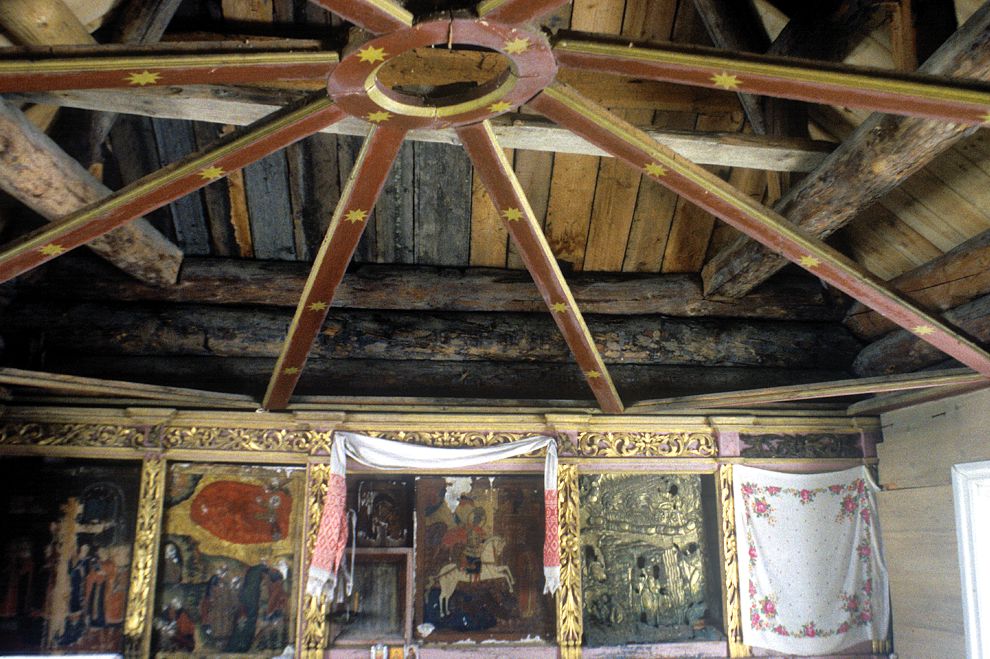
<point x="961" y="101"/>
<point x="602" y="128"/>
<point x="240" y="148"/>
<point x="515" y="12"/>
<point x="42" y="72"/>
<point x="346" y="226"/>
<point x="378" y="16"/>
<point x="499" y="179"/>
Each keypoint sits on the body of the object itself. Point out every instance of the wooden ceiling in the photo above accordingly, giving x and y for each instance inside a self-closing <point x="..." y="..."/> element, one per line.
<point x="432" y="305"/>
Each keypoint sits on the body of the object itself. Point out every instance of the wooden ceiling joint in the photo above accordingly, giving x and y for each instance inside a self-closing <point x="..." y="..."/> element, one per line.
<point x="514" y="12"/>
<point x="377" y="16"/>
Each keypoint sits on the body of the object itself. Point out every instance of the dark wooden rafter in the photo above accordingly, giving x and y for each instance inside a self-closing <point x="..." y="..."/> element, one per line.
<point x="357" y="200"/>
<point x="759" y="222"/>
<point x="377" y="16"/>
<point x="496" y="173"/>
<point x="155" y="190"/>
<point x="27" y="70"/>
<point x="517" y="11"/>
<point x="962" y="101"/>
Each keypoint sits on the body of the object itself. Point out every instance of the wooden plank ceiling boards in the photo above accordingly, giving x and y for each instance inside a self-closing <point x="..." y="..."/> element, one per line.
<point x="654" y="294"/>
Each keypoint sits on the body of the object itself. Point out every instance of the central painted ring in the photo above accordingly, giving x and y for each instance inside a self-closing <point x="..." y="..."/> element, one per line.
<point x="355" y="86"/>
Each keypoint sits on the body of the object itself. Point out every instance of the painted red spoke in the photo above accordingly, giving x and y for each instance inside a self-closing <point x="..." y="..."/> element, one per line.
<point x="378" y="16"/>
<point x="514" y="12"/>
<point x="240" y="148"/>
<point x="33" y="72"/>
<point x="624" y="141"/>
<point x="346" y="226"/>
<point x="499" y="179"/>
<point x="963" y="101"/>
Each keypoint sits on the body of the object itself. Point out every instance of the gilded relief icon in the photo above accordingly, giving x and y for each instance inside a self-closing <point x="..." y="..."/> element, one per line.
<point x="644" y="568"/>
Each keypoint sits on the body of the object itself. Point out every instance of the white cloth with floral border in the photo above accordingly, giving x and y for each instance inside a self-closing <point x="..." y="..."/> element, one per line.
<point x="812" y="577"/>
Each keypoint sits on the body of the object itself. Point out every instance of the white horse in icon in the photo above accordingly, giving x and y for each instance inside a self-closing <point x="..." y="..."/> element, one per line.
<point x="450" y="575"/>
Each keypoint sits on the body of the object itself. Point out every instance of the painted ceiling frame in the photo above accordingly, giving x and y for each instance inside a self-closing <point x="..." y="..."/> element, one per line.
<point x="504" y="26"/>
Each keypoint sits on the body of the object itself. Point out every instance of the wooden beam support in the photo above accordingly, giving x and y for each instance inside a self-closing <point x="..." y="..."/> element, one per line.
<point x="881" y="404"/>
<point x="882" y="153"/>
<point x="959" y="101"/>
<point x="42" y="22"/>
<point x="27" y="70"/>
<point x="517" y="11"/>
<point x="513" y="208"/>
<point x="241" y="107"/>
<point x="357" y="200"/>
<point x="159" y="188"/>
<point x="426" y="288"/>
<point x="951" y="280"/>
<point x="36" y="172"/>
<point x="741" y="211"/>
<point x="857" y="387"/>
<point x="377" y="16"/>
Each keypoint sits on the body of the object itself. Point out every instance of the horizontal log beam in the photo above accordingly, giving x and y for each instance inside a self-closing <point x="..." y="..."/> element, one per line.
<point x="951" y="280"/>
<point x="131" y="329"/>
<point x="880" y="155"/>
<point x="902" y="351"/>
<point x="347" y="377"/>
<point x="239" y="107"/>
<point x="427" y="288"/>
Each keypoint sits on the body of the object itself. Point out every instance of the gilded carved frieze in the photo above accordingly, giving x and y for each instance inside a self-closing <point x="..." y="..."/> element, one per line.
<point x="822" y="445"/>
<point x="137" y="631"/>
<point x="246" y="439"/>
<point x="646" y="445"/>
<point x="730" y="565"/>
<point x="569" y="619"/>
<point x="315" y="611"/>
<point x="451" y="439"/>
<point x="82" y="435"/>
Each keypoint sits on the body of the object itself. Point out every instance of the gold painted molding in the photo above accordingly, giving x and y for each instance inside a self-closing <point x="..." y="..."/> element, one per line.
<point x="730" y="564"/>
<point x="144" y="560"/>
<point x="450" y="439"/>
<point x="570" y="623"/>
<point x="251" y="440"/>
<point x="82" y="435"/>
<point x="315" y="630"/>
<point x="646" y="444"/>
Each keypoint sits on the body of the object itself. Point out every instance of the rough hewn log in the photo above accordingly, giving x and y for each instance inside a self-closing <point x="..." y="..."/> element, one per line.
<point x="902" y="351"/>
<point x="240" y="107"/>
<point x="882" y="153"/>
<point x="41" y="176"/>
<point x="425" y="288"/>
<point x="949" y="281"/>
<point x="336" y="377"/>
<point x="42" y="22"/>
<point x="133" y="329"/>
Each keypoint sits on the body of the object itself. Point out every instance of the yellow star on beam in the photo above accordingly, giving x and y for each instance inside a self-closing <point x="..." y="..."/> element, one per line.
<point x="923" y="330"/>
<point x="317" y="306"/>
<point x="371" y="54"/>
<point x="292" y="370"/>
<point x="809" y="261"/>
<point x="592" y="375"/>
<point x="356" y="215"/>
<point x="212" y="173"/>
<point x="512" y="214"/>
<point x="52" y="249"/>
<point x="516" y="46"/>
<point x="144" y="78"/>
<point x="559" y="307"/>
<point x="725" y="80"/>
<point x="378" y="117"/>
<point x="501" y="106"/>
<point x="655" y="169"/>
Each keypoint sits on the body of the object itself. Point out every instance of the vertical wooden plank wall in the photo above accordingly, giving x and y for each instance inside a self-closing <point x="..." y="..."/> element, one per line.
<point x="918" y="519"/>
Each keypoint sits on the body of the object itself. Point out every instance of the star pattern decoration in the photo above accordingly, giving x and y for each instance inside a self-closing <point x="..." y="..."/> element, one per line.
<point x="512" y="214"/>
<point x="501" y="106"/>
<point x="517" y="46"/>
<point x="317" y="306"/>
<point x="725" y="80"/>
<point x="809" y="261"/>
<point x="144" y="78"/>
<point x="371" y="54"/>
<point x="923" y="330"/>
<point x="356" y="215"/>
<point x="53" y="249"/>
<point x="292" y="370"/>
<point x="213" y="173"/>
<point x="655" y="169"/>
<point x="378" y="117"/>
<point x="559" y="307"/>
<point x="592" y="375"/>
